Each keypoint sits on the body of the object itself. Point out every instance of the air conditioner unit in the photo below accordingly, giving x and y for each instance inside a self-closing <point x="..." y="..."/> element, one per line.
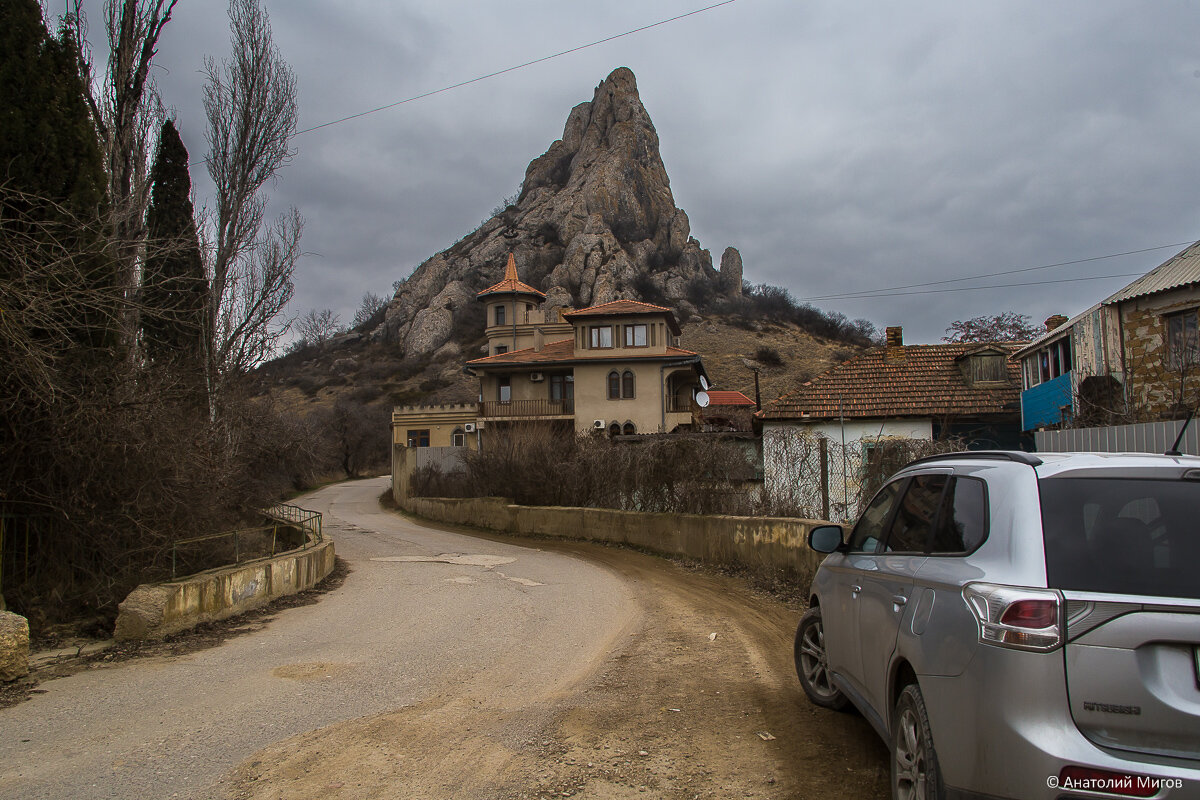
<point x="598" y="424"/>
<point x="536" y="377"/>
<point x="469" y="427"/>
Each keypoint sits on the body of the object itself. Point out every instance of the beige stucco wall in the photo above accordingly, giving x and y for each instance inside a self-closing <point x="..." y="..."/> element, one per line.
<point x="440" y="420"/>
<point x="644" y="410"/>
<point x="775" y="546"/>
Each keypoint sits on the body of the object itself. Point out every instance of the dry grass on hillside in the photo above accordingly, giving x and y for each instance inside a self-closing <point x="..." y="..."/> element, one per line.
<point x="785" y="355"/>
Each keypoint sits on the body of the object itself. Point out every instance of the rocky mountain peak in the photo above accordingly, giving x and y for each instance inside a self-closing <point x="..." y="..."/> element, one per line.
<point x="595" y="221"/>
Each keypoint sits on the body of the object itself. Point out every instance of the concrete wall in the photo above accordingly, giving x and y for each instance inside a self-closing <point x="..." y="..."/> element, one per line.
<point x="772" y="546"/>
<point x="152" y="611"/>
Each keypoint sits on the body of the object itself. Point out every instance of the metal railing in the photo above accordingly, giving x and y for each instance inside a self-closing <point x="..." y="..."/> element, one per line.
<point x="303" y="517"/>
<point x="527" y="408"/>
<point x="287" y="516"/>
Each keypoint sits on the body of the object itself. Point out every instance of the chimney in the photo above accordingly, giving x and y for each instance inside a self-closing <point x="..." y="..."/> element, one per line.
<point x="894" y="336"/>
<point x="539" y="340"/>
<point x="1055" y="321"/>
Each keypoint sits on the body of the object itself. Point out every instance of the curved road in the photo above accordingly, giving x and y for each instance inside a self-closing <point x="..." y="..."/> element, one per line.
<point x="424" y="614"/>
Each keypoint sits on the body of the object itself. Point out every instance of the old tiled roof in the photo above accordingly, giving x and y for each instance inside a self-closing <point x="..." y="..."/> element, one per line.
<point x="1181" y="269"/>
<point x="620" y="308"/>
<point x="511" y="283"/>
<point x="928" y="382"/>
<point x="717" y="397"/>
<point x="563" y="351"/>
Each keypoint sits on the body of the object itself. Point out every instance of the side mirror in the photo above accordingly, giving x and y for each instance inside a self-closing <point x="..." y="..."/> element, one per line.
<point x="825" y="538"/>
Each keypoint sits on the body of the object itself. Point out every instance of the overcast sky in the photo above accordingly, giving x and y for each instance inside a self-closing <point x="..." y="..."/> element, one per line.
<point x="841" y="147"/>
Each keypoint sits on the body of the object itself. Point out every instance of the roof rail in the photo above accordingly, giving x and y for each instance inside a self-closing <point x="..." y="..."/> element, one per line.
<point x="1019" y="456"/>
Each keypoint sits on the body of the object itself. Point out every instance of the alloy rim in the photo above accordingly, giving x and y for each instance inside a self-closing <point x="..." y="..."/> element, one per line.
<point x="910" y="759"/>
<point x="813" y="661"/>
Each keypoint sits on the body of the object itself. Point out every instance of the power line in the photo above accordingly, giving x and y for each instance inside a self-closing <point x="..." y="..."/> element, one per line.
<point x="568" y="51"/>
<point x="875" y="292"/>
<point x="890" y="293"/>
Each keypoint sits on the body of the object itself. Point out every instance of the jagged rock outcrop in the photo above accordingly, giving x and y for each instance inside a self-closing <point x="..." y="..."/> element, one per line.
<point x="595" y="221"/>
<point x="731" y="270"/>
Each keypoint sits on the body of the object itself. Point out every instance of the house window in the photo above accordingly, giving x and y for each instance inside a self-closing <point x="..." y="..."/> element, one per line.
<point x="614" y="386"/>
<point x="635" y="335"/>
<point x="562" y="387"/>
<point x="614" y="429"/>
<point x="988" y="368"/>
<point x="601" y="336"/>
<point x="630" y="429"/>
<point x="1182" y="340"/>
<point x="504" y="393"/>
<point x="458" y="438"/>
<point x="627" y="385"/>
<point x="501" y="349"/>
<point x="500" y="315"/>
<point x="418" y="438"/>
<point x="1048" y="363"/>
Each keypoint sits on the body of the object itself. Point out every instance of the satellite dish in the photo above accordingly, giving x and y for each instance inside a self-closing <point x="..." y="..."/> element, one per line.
<point x="704" y="383"/>
<point x="702" y="399"/>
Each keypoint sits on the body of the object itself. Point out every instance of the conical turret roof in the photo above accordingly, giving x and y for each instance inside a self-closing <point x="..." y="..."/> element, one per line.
<point x="511" y="284"/>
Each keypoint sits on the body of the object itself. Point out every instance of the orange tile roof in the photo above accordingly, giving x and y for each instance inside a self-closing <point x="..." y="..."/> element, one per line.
<point x="563" y="351"/>
<point x="620" y="308"/>
<point x="511" y="284"/>
<point x="927" y="383"/>
<point x="718" y="397"/>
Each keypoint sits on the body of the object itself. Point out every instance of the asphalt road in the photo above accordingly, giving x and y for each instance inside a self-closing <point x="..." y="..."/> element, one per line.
<point x="424" y="614"/>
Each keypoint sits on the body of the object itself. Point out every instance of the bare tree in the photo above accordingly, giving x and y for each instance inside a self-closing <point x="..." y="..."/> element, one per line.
<point x="127" y="112"/>
<point x="317" y="327"/>
<point x="250" y="101"/>
<point x="371" y="305"/>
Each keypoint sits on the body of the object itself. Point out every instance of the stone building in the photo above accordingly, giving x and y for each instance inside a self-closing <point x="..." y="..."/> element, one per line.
<point x="1133" y="357"/>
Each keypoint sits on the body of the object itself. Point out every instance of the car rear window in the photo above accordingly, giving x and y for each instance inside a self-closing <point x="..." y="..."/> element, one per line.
<point x="1122" y="536"/>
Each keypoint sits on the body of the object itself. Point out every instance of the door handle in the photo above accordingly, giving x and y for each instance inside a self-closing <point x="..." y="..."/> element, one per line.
<point x="898" y="601"/>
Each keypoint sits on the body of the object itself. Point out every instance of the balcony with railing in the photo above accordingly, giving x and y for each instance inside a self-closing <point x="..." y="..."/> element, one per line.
<point x="527" y="409"/>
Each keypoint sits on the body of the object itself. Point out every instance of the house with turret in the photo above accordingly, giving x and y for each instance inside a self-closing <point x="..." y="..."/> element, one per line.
<point x="612" y="369"/>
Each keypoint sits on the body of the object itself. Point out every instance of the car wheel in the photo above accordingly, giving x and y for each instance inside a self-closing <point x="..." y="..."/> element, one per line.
<point x="812" y="664"/>
<point x="915" y="772"/>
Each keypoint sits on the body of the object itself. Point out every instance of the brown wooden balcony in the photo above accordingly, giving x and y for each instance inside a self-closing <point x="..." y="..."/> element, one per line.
<point x="527" y="409"/>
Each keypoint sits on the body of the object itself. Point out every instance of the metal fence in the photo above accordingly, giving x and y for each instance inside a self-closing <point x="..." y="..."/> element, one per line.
<point x="250" y="543"/>
<point x="1146" y="437"/>
<point x="303" y="518"/>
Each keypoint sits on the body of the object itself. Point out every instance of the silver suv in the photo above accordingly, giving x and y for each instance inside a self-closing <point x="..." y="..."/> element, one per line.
<point x="1019" y="626"/>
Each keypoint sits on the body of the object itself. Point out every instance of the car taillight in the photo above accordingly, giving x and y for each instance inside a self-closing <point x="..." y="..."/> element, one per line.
<point x="1015" y="616"/>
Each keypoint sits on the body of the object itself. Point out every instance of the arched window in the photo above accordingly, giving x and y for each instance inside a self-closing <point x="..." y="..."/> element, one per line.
<point x="458" y="438"/>
<point x="627" y="384"/>
<point x="614" y="386"/>
<point x="630" y="429"/>
<point x="614" y="429"/>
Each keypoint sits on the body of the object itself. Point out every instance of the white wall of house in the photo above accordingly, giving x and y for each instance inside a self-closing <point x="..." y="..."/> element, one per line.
<point x="792" y="460"/>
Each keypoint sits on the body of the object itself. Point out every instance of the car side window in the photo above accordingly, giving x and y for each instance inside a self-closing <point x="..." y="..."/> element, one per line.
<point x="870" y="530"/>
<point x="962" y="525"/>
<point x="913" y="526"/>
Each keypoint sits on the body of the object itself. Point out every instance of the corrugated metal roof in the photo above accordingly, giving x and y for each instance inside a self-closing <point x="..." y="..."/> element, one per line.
<point x="1180" y="270"/>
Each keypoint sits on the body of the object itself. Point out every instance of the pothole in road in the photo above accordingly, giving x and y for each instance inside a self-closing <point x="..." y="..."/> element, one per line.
<point x="487" y="562"/>
<point x="467" y="560"/>
<point x="316" y="670"/>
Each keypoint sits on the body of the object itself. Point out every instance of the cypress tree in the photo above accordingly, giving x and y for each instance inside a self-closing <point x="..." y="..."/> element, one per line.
<point x="52" y="180"/>
<point x="174" y="288"/>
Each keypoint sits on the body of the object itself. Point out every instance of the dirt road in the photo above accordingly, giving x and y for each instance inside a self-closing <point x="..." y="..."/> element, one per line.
<point x="696" y="699"/>
<point x="451" y="666"/>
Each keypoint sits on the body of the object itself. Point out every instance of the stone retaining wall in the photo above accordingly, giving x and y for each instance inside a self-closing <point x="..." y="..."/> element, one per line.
<point x="774" y="546"/>
<point x="152" y="611"/>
